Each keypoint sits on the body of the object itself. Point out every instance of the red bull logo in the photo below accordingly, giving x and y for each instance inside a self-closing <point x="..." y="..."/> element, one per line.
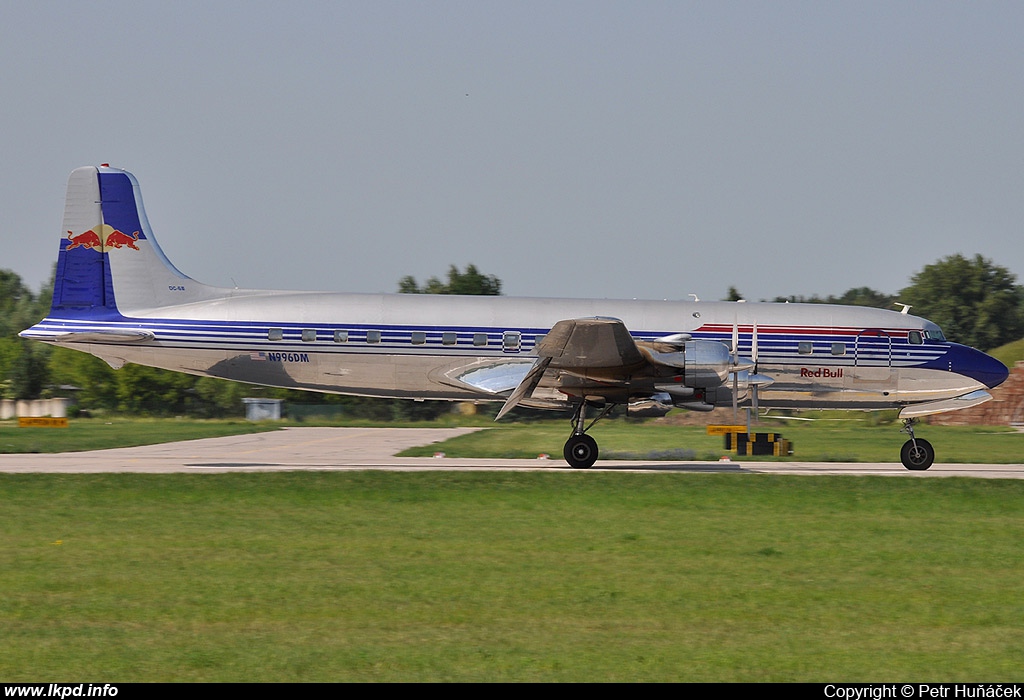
<point x="822" y="372"/>
<point x="102" y="238"/>
<point x="117" y="239"/>
<point x="90" y="239"/>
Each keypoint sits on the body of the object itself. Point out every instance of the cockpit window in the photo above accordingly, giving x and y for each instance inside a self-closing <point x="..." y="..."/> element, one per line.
<point x="935" y="334"/>
<point x="915" y="338"/>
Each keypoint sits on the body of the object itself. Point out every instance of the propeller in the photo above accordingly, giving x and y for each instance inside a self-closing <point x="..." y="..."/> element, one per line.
<point x="737" y="367"/>
<point x="735" y="371"/>
<point x="753" y="357"/>
<point x="753" y="379"/>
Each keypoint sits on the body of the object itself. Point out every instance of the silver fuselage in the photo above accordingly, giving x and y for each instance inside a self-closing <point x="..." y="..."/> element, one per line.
<point x="476" y="348"/>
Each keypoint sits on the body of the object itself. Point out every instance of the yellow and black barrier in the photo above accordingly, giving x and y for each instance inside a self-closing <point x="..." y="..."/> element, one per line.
<point x="42" y="422"/>
<point x="738" y="440"/>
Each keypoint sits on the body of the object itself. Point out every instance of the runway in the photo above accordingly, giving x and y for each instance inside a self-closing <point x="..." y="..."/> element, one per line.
<point x="320" y="449"/>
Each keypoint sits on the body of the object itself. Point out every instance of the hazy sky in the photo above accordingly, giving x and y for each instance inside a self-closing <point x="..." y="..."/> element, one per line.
<point x="584" y="149"/>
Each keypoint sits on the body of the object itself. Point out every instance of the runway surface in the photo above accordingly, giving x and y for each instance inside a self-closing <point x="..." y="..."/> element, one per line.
<point x="318" y="449"/>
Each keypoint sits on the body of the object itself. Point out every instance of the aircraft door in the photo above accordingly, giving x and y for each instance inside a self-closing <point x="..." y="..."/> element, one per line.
<point x="872" y="362"/>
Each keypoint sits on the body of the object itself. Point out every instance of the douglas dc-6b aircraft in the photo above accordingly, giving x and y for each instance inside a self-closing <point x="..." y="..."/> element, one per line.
<point x="118" y="297"/>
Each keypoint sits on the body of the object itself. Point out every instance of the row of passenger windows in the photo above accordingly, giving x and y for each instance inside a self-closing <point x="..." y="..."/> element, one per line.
<point x="510" y="340"/>
<point x="806" y="347"/>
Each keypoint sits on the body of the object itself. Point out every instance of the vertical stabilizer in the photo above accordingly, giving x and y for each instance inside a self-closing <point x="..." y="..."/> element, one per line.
<point x="109" y="262"/>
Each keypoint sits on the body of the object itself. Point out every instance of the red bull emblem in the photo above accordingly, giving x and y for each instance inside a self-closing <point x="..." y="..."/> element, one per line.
<point x="90" y="239"/>
<point x="93" y="239"/>
<point x="117" y="239"/>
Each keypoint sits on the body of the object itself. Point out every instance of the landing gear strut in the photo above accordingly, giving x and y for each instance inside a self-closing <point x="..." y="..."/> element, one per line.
<point x="917" y="454"/>
<point x="580" y="449"/>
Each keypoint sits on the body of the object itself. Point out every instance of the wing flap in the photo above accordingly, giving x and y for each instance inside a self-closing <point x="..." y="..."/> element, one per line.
<point x="526" y="387"/>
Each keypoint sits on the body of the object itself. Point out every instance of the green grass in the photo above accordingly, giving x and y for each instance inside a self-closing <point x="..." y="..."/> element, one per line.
<point x="846" y="440"/>
<point x="1010" y="353"/>
<point x="847" y="437"/>
<point x="567" y="576"/>
<point x="99" y="434"/>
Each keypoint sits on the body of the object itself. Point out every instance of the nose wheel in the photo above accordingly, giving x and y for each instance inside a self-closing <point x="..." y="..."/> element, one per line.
<point x="916" y="454"/>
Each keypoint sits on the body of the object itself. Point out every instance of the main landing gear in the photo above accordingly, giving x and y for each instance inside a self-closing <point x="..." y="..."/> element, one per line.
<point x="917" y="454"/>
<point x="580" y="449"/>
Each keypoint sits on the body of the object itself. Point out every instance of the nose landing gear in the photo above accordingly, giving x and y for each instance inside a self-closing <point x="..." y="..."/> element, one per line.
<point x="917" y="454"/>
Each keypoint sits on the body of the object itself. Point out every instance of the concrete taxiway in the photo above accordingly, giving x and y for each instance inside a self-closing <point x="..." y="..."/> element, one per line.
<point x="316" y="449"/>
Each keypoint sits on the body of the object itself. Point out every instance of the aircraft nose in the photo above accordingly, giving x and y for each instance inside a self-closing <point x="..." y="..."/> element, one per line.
<point x="977" y="365"/>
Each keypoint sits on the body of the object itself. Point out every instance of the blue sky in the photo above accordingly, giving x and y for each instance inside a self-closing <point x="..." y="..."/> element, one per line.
<point x="582" y="149"/>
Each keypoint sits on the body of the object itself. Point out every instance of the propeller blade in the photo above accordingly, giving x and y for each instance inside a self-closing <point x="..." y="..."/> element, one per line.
<point x="753" y="356"/>
<point x="753" y="347"/>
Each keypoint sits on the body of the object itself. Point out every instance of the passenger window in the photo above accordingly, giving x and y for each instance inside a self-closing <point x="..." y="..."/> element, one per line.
<point x="479" y="339"/>
<point x="449" y="338"/>
<point x="340" y="336"/>
<point x="510" y="341"/>
<point x="372" y="337"/>
<point x="275" y="334"/>
<point x="915" y="338"/>
<point x="838" y="348"/>
<point x="308" y="335"/>
<point x="419" y="337"/>
<point x="805" y="347"/>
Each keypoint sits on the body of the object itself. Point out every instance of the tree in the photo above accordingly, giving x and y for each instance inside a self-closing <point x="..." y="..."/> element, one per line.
<point x="469" y="282"/>
<point x="864" y="296"/>
<point x="858" y="296"/>
<point x="733" y="295"/>
<point x="23" y="364"/>
<point x="974" y="301"/>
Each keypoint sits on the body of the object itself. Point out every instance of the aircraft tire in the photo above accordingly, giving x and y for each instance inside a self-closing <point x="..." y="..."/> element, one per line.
<point x="917" y="457"/>
<point x="580" y="451"/>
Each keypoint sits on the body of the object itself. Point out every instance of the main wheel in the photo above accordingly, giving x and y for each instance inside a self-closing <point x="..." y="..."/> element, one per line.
<point x="917" y="455"/>
<point x="580" y="451"/>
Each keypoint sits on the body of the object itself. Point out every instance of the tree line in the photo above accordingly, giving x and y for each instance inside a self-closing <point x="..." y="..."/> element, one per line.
<point x="973" y="300"/>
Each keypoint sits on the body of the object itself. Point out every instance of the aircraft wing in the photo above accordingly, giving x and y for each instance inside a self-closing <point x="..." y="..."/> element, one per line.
<point x="590" y="343"/>
<point x="125" y="335"/>
<point x="594" y="352"/>
<point x="975" y="398"/>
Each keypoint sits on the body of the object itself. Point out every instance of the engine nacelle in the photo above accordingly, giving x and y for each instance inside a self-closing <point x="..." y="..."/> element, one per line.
<point x="704" y="363"/>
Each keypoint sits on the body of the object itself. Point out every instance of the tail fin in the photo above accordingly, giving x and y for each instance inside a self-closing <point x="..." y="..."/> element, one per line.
<point x="109" y="262"/>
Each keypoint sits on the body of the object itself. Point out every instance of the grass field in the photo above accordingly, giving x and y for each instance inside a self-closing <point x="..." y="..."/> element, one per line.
<point x="835" y="437"/>
<point x="843" y="440"/>
<point x="99" y="434"/>
<point x="567" y="576"/>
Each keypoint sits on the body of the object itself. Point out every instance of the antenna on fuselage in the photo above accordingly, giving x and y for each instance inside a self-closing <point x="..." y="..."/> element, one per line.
<point x="905" y="309"/>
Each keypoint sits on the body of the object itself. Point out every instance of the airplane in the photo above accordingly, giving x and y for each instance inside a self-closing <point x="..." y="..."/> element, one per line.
<point x="118" y="297"/>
